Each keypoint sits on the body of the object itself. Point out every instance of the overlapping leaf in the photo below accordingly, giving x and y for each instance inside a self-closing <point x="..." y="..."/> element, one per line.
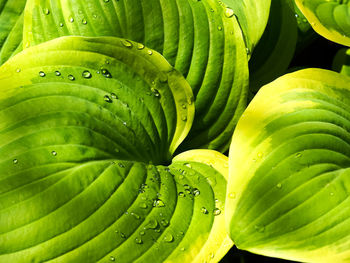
<point x="82" y="121"/>
<point x="329" y="18"/>
<point x="276" y="48"/>
<point x="341" y="62"/>
<point x="201" y="39"/>
<point x="11" y="28"/>
<point x="252" y="16"/>
<point x="289" y="182"/>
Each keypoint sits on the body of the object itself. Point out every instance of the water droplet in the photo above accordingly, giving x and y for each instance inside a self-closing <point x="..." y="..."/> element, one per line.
<point x="126" y="43"/>
<point x="260" y="155"/>
<point x="122" y="235"/>
<point x="331" y="193"/>
<point x="106" y="73"/>
<point x="219" y="28"/>
<point x="188" y="165"/>
<point x="155" y="92"/>
<point x="86" y="74"/>
<point x="142" y="233"/>
<point x="168" y="238"/>
<point x="46" y="11"/>
<point x="216" y="212"/>
<point x="204" y="210"/>
<point x="138" y="240"/>
<point x="61" y="24"/>
<point x="107" y="99"/>
<point x="279" y="185"/>
<point x="140" y="46"/>
<point x="150" y="52"/>
<point x="143" y="205"/>
<point x="229" y="12"/>
<point x="71" y="19"/>
<point x="298" y="155"/>
<point x="71" y="77"/>
<point x="152" y="224"/>
<point x="184" y="106"/>
<point x="181" y="194"/>
<point x="164" y="222"/>
<point x="232" y="195"/>
<point x="15" y="161"/>
<point x="121" y="165"/>
<point x="184" y="118"/>
<point x="54" y="153"/>
<point x="259" y="229"/>
<point x="57" y="73"/>
<point x="182" y="249"/>
<point x="158" y="203"/>
<point x="212" y="255"/>
<point x="18" y="70"/>
<point x="296" y="15"/>
<point x="84" y="21"/>
<point x="114" y="96"/>
<point x="196" y="192"/>
<point x="42" y="74"/>
<point x="136" y="216"/>
<point x="106" y="1"/>
<point x="111" y="258"/>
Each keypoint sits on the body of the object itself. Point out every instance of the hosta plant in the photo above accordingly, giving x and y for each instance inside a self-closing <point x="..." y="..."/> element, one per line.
<point x="117" y="116"/>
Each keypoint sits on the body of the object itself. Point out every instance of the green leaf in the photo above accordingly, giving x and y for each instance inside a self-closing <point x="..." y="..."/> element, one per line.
<point x="341" y="62"/>
<point x="252" y="16"/>
<point x="131" y="95"/>
<point x="289" y="185"/>
<point x="110" y="210"/>
<point x="276" y="48"/>
<point x="11" y="25"/>
<point x="201" y="39"/>
<point x="329" y="18"/>
<point x="81" y="122"/>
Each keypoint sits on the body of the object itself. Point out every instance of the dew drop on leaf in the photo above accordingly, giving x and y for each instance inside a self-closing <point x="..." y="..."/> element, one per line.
<point x="150" y="52"/>
<point x="111" y="258"/>
<point x="71" y="19"/>
<point x="42" y="74"/>
<point x="204" y="210"/>
<point x="158" y="203"/>
<point x="71" y="77"/>
<point x="84" y="21"/>
<point x="216" y="212"/>
<point x="168" y="238"/>
<point x="143" y="205"/>
<point x="15" y="161"/>
<point x="54" y="153"/>
<point x="57" y="73"/>
<point x="181" y="194"/>
<point x="138" y="240"/>
<point x="126" y="43"/>
<point x="196" y="192"/>
<point x="164" y="222"/>
<point x="106" y="73"/>
<point x="140" y="46"/>
<point x="229" y="12"/>
<point x="107" y="99"/>
<point x="152" y="224"/>
<point x="46" y="11"/>
<point x="86" y="74"/>
<point x="136" y="216"/>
